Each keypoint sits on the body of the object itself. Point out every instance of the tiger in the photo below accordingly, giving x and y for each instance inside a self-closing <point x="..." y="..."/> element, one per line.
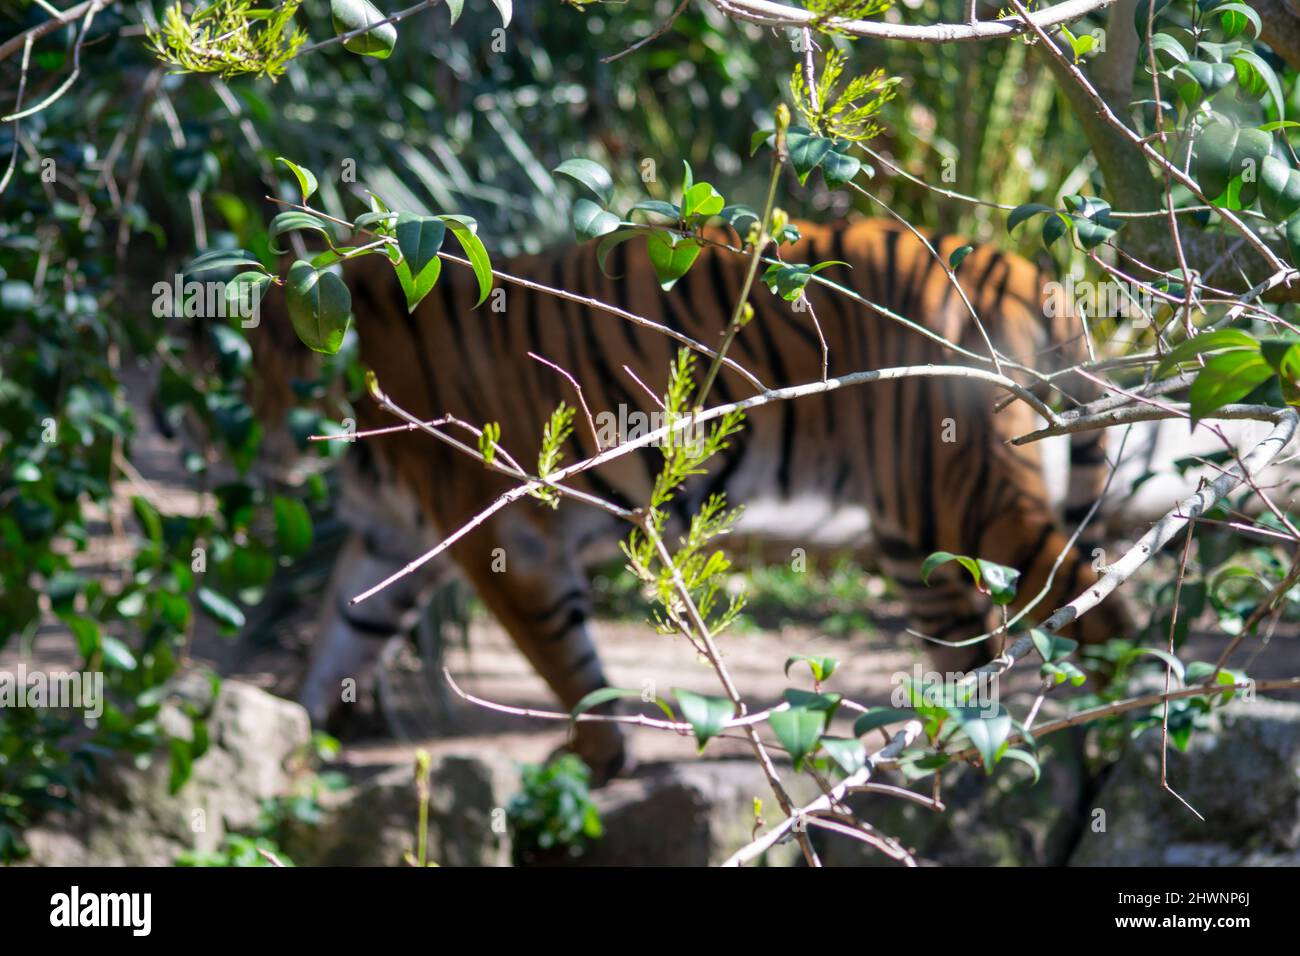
<point x="924" y="462"/>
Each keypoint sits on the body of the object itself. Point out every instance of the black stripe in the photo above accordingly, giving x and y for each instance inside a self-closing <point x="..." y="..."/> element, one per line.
<point x="363" y="627"/>
<point x="732" y="457"/>
<point x="573" y="594"/>
<point x="585" y="661"/>
<point x="576" y="617"/>
<point x="607" y="491"/>
<point x="619" y="289"/>
<point x="1076" y="513"/>
<point x="966" y="620"/>
<point x="783" y="472"/>
<point x="896" y="549"/>
<point x="449" y="314"/>
<point x="1026" y="555"/>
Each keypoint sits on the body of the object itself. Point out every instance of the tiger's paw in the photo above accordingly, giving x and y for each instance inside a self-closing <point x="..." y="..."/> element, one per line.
<point x="603" y="748"/>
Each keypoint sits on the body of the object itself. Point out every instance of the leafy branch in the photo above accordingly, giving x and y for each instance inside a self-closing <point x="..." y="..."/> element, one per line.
<point x="230" y="38"/>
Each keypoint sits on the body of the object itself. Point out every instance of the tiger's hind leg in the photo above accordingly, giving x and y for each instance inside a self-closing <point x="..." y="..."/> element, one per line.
<point x="523" y="569"/>
<point x="351" y="639"/>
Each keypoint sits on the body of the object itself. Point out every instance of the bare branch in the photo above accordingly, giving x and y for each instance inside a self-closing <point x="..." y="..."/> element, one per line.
<point x="770" y="14"/>
<point x="902" y="740"/>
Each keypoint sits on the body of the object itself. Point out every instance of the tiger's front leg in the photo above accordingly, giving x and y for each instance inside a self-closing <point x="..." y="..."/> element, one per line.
<point x="523" y="569"/>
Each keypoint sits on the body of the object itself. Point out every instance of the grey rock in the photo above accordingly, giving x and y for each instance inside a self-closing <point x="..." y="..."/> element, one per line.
<point x="129" y="819"/>
<point x="693" y="814"/>
<point x="1243" y="777"/>
<point x="374" y="823"/>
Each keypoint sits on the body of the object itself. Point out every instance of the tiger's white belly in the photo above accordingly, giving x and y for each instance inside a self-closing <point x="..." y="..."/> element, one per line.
<point x="810" y="521"/>
<point x="1146" y="485"/>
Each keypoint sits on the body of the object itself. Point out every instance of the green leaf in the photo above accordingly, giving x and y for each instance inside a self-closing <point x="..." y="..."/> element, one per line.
<point x="739" y="217"/>
<point x="1235" y="17"/>
<point x="376" y="221"/>
<point x="659" y="208"/>
<point x="415" y="288"/>
<point x="808" y="700"/>
<point x="116" y="654"/>
<point x="591" y="220"/>
<point x="943" y="557"/>
<point x="758" y="138"/>
<point x="848" y="754"/>
<point x="1279" y="189"/>
<point x="1054" y="227"/>
<point x="247" y="289"/>
<point x="222" y="609"/>
<point x="1090" y="232"/>
<point x="455" y="8"/>
<point x="505" y="7"/>
<point x="1169" y="659"/>
<point x="1145" y="11"/>
<point x="1291" y="229"/>
<point x="182" y="764"/>
<point x="149" y="518"/>
<point x="958" y="255"/>
<point x="916" y="766"/>
<point x="1170" y="47"/>
<point x="1206" y="79"/>
<point x="1223" y="154"/>
<point x="1079" y="45"/>
<point x="672" y="256"/>
<point x="1026" y="758"/>
<point x="86" y="632"/>
<point x="608" y="243"/>
<point x="293" y="526"/>
<point x="878" y="717"/>
<point x="419" y="238"/>
<point x="306" y="178"/>
<point x="1052" y="647"/>
<point x="1257" y="78"/>
<point x="1226" y="379"/>
<point x="1223" y="339"/>
<point x="1024" y="212"/>
<point x="788" y="279"/>
<point x="319" y="306"/>
<point x="999" y="581"/>
<point x="807" y="150"/>
<point x="1090" y="207"/>
<point x="799" y="730"/>
<point x="349" y="15"/>
<point x="706" y="715"/>
<point x="1197" y="672"/>
<point x="222" y="260"/>
<point x="702" y="200"/>
<point x="986" y="733"/>
<point x="589" y="174"/>
<point x="839" y="168"/>
<point x="1280" y="353"/>
<point x="821" y="667"/>
<point x="606" y="694"/>
<point x="465" y="231"/>
<point x="200" y="742"/>
<point x="294" y="220"/>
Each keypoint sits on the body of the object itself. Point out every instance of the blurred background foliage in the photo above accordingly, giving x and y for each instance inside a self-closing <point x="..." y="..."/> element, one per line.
<point x="119" y="181"/>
